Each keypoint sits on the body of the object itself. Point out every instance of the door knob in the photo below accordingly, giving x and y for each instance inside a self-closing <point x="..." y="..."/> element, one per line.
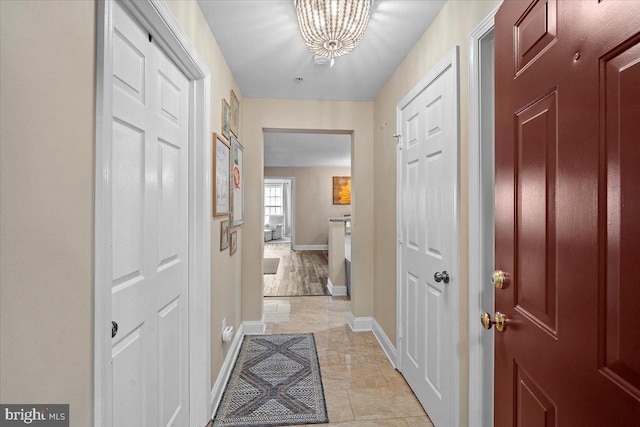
<point x="114" y="329"/>
<point x="441" y="277"/>
<point x="488" y="321"/>
<point x="498" y="279"/>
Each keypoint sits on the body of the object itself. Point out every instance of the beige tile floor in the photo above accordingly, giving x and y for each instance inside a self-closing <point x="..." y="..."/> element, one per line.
<point x="361" y="386"/>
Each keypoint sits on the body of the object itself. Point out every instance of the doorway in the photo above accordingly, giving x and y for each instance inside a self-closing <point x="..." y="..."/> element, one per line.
<point x="311" y="161"/>
<point x="481" y="215"/>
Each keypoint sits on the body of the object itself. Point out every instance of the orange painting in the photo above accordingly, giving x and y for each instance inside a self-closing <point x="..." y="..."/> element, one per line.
<point x="341" y="190"/>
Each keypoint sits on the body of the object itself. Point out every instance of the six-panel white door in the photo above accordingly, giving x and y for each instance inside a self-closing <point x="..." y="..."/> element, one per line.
<point x="149" y="231"/>
<point x="429" y="172"/>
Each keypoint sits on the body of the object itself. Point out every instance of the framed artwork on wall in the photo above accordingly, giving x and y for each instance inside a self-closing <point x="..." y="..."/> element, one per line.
<point x="341" y="190"/>
<point x="234" y="242"/>
<point x="224" y="234"/>
<point x="226" y="113"/>
<point x="221" y="174"/>
<point x="237" y="182"/>
<point x="235" y="114"/>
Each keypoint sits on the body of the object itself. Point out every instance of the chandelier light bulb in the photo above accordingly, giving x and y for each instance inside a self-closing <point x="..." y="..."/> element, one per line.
<point x="332" y="28"/>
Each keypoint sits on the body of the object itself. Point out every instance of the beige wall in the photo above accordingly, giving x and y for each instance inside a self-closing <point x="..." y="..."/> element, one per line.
<point x="314" y="201"/>
<point x="357" y="117"/>
<point x="226" y="270"/>
<point x="47" y="196"/>
<point x="47" y="57"/>
<point x="450" y="28"/>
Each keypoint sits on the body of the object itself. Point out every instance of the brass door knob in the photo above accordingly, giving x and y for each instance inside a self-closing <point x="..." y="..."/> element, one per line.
<point x="498" y="279"/>
<point x="488" y="321"/>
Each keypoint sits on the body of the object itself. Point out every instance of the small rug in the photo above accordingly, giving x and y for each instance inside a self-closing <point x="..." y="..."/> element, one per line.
<point x="275" y="382"/>
<point x="270" y="265"/>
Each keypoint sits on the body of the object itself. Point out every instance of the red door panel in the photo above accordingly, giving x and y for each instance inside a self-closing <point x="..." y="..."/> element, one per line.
<point x="535" y="31"/>
<point x="567" y="213"/>
<point x="534" y="408"/>
<point x="534" y="274"/>
<point x="620" y="83"/>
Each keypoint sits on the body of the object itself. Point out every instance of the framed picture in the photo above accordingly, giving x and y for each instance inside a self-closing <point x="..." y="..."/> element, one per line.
<point x="341" y="190"/>
<point x="221" y="174"/>
<point x="235" y="114"/>
<point x="237" y="182"/>
<point x="224" y="234"/>
<point x="226" y="112"/>
<point x="234" y="242"/>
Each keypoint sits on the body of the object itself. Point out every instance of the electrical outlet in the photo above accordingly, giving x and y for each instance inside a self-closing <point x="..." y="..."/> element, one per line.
<point x="224" y="323"/>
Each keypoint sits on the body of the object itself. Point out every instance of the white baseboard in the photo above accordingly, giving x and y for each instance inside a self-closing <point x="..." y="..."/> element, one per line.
<point x="225" y="371"/>
<point x="311" y="247"/>
<point x="336" y="290"/>
<point x="359" y="324"/>
<point x="254" y="327"/>
<point x="385" y="342"/>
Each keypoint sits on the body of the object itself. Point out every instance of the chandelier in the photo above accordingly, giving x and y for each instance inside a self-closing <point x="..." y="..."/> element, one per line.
<point x="332" y="28"/>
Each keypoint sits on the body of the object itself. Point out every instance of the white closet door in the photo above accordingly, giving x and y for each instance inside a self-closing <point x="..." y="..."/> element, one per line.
<point x="149" y="238"/>
<point x="429" y="168"/>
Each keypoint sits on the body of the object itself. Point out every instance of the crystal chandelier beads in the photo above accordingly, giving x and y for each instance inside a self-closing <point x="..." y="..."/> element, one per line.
<point x="332" y="28"/>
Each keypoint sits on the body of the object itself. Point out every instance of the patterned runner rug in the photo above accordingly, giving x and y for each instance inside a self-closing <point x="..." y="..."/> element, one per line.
<point x="275" y="382"/>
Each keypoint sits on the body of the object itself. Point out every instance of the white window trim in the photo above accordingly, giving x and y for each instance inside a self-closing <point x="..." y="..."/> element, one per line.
<point x="281" y="205"/>
<point x="292" y="223"/>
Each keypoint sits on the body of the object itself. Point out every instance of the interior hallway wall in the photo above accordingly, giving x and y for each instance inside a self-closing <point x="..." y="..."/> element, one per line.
<point x="450" y="28"/>
<point x="47" y="116"/>
<point x="47" y="183"/>
<point x="226" y="269"/>
<point x="314" y="201"/>
<point x="262" y="114"/>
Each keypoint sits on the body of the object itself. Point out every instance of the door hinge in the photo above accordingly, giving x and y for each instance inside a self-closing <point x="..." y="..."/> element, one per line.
<point x="400" y="332"/>
<point x="400" y="237"/>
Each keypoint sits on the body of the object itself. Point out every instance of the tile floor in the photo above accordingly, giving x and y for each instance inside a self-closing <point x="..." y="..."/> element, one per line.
<point x="361" y="386"/>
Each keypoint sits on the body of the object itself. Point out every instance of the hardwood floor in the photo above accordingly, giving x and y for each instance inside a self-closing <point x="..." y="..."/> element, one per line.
<point x="300" y="273"/>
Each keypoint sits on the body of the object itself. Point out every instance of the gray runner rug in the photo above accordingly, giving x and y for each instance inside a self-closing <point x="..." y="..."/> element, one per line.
<point x="275" y="382"/>
<point x="270" y="265"/>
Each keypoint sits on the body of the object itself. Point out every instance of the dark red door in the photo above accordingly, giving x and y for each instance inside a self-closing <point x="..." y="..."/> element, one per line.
<point x="568" y="213"/>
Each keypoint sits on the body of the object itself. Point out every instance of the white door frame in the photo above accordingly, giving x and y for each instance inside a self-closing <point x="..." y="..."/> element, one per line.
<point x="291" y="179"/>
<point x="451" y="59"/>
<point x="480" y="170"/>
<point x="156" y="17"/>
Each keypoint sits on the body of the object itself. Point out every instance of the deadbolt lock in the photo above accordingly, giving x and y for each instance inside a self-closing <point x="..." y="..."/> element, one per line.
<point x="488" y="321"/>
<point x="498" y="279"/>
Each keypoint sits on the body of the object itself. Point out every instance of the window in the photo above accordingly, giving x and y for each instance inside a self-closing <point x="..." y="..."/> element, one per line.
<point x="272" y="200"/>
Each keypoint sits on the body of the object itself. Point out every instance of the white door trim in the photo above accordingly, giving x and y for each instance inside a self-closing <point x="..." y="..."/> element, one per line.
<point x="160" y="22"/>
<point x="450" y="60"/>
<point x="399" y="237"/>
<point x="480" y="357"/>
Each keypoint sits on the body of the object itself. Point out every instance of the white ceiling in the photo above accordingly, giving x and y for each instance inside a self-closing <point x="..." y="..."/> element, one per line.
<point x="261" y="42"/>
<point x="289" y="149"/>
